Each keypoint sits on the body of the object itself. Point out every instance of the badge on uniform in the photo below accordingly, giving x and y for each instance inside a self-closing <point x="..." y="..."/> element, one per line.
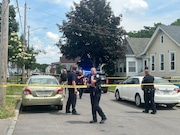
<point x="97" y="76"/>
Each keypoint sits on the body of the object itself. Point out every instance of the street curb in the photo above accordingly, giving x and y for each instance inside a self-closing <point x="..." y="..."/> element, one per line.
<point x="14" y="121"/>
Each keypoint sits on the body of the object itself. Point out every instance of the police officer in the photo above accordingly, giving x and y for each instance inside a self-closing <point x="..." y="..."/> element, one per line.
<point x="148" y="92"/>
<point x="80" y="77"/>
<point x="95" y="95"/>
<point x="72" y="97"/>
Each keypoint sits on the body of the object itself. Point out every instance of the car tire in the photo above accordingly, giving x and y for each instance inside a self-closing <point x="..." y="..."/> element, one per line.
<point x="59" y="107"/>
<point x="170" y="105"/>
<point x="105" y="90"/>
<point x="117" y="95"/>
<point x="24" y="108"/>
<point x="138" y="100"/>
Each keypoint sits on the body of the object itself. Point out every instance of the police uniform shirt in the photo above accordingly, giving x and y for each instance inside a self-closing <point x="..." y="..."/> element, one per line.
<point x="72" y="77"/>
<point x="148" y="79"/>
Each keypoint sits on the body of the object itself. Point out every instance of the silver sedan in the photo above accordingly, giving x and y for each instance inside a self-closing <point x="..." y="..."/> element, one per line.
<point x="42" y="90"/>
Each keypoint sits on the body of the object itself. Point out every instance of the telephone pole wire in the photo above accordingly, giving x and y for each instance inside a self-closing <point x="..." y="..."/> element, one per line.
<point x="4" y="51"/>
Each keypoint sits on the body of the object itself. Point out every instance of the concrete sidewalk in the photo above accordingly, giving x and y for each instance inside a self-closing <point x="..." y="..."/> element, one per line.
<point x="4" y="126"/>
<point x="7" y="125"/>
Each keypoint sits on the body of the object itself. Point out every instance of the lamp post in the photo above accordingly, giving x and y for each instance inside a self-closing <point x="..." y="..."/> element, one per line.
<point x="33" y="30"/>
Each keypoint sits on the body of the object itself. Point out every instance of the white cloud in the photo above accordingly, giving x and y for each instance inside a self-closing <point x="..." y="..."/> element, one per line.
<point x="135" y="5"/>
<point x="52" y="55"/>
<point x="49" y="54"/>
<point x="52" y="36"/>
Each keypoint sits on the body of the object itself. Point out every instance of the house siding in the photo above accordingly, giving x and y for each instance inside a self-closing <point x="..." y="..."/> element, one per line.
<point x="164" y="48"/>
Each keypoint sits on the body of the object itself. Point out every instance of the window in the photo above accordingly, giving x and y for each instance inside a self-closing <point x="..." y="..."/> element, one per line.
<point x="161" y="62"/>
<point x="172" y="61"/>
<point x="153" y="62"/>
<point x="132" y="66"/>
<point x="162" y="39"/>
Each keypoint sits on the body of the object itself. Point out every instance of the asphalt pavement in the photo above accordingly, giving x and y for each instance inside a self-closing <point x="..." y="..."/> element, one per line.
<point x="7" y="126"/>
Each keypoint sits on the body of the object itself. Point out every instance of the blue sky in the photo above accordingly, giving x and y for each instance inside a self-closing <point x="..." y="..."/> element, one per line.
<point x="48" y="13"/>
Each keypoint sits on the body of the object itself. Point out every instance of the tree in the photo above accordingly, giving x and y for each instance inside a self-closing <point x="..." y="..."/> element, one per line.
<point x="13" y="24"/>
<point x="18" y="54"/>
<point x="147" y="32"/>
<point x="92" y="32"/>
<point x="177" y="22"/>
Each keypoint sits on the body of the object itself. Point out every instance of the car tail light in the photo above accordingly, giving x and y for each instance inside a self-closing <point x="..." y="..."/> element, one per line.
<point x="177" y="89"/>
<point x="59" y="91"/>
<point x="156" y="88"/>
<point x="27" y="91"/>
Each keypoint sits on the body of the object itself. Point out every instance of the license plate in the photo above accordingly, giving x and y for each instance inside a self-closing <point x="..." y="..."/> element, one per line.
<point x="43" y="94"/>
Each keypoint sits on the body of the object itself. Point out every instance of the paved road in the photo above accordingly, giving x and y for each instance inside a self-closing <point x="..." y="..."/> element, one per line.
<point x="124" y="118"/>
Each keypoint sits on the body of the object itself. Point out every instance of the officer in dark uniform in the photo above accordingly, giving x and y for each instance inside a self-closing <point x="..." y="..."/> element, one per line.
<point x="94" y="84"/>
<point x="149" y="91"/>
<point x="80" y="77"/>
<point x="72" y="97"/>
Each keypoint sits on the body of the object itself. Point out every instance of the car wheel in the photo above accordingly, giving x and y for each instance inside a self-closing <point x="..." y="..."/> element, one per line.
<point x="24" y="108"/>
<point x="137" y="100"/>
<point x="117" y="95"/>
<point x="105" y="90"/>
<point x="170" y="105"/>
<point x="59" y="107"/>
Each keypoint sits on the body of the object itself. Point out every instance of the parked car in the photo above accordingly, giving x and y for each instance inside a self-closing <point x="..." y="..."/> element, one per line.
<point x="174" y="79"/>
<point x="42" y="90"/>
<point x="103" y="81"/>
<point x="165" y="93"/>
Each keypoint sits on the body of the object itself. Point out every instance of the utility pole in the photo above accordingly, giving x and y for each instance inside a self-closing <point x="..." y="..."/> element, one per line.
<point x="4" y="51"/>
<point x="24" y="42"/>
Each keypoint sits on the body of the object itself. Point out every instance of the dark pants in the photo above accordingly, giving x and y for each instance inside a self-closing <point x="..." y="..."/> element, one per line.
<point x="149" y="100"/>
<point x="71" y="101"/>
<point x="81" y="90"/>
<point x="95" y="98"/>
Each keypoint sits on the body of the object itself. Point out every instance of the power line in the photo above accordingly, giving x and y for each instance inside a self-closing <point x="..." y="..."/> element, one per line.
<point x="42" y="11"/>
<point x="17" y="6"/>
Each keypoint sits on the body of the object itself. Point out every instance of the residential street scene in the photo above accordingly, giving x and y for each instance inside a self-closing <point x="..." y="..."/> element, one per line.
<point x="89" y="67"/>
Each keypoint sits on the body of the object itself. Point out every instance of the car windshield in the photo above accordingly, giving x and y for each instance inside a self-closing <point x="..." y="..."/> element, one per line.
<point x="43" y="81"/>
<point x="162" y="81"/>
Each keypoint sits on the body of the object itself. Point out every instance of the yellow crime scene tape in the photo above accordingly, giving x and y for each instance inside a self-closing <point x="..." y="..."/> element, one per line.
<point x="84" y="86"/>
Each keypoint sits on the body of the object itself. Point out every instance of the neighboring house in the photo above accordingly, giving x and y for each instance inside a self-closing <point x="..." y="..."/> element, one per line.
<point x="35" y="71"/>
<point x="132" y="63"/>
<point x="13" y="69"/>
<point x="48" y="69"/>
<point x="67" y="63"/>
<point x="53" y="70"/>
<point x="162" y="54"/>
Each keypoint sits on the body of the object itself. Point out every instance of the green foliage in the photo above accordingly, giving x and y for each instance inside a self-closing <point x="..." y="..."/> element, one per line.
<point x="17" y="52"/>
<point x="147" y="32"/>
<point x="177" y="22"/>
<point x="13" y="24"/>
<point x="41" y="67"/>
<point x="109" y="68"/>
<point x="92" y="33"/>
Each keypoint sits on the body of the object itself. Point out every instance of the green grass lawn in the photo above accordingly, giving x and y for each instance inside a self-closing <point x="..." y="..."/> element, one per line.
<point x="13" y="95"/>
<point x="111" y="88"/>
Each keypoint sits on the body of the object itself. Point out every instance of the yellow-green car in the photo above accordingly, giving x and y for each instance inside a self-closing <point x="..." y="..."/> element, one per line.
<point x="42" y="90"/>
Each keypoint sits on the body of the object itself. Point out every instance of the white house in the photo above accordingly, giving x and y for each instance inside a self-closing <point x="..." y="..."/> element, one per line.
<point x="132" y="63"/>
<point x="161" y="53"/>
